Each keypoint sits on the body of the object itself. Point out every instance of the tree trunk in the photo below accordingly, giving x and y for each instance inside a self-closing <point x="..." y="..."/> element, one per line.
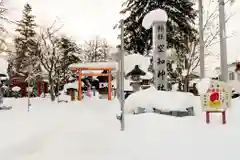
<point x="179" y="85"/>
<point x="58" y="87"/>
<point x="29" y="94"/>
<point x="64" y="66"/>
<point x="51" y="83"/>
<point x="186" y="84"/>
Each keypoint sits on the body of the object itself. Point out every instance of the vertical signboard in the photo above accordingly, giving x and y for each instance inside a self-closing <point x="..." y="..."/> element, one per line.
<point x="218" y="97"/>
<point x="159" y="55"/>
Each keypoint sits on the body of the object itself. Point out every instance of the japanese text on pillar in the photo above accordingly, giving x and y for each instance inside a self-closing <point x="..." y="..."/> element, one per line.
<point x="161" y="57"/>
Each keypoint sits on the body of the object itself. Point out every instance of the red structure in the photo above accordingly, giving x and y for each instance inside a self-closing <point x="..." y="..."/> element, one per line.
<point x="223" y="116"/>
<point x="20" y="82"/>
<point x="42" y="85"/>
<point x="80" y="75"/>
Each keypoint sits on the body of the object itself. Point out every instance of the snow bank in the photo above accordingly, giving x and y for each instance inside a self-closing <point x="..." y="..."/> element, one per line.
<point x="73" y="85"/>
<point x="153" y="16"/>
<point x="148" y="75"/>
<point x="60" y="131"/>
<point x="203" y="85"/>
<point x="235" y="85"/>
<point x="152" y="98"/>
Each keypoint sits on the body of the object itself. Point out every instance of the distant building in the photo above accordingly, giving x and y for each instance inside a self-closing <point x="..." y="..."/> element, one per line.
<point x="232" y="75"/>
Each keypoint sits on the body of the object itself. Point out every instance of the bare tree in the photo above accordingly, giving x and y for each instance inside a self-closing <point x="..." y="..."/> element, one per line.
<point x="188" y="60"/>
<point x="49" y="55"/>
<point x="105" y="50"/>
<point x="91" y="50"/>
<point x="96" y="50"/>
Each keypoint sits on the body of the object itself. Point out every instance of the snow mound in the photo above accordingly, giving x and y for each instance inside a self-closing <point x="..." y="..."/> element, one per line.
<point x="16" y="89"/>
<point x="148" y="75"/>
<point x="203" y="85"/>
<point x="73" y="85"/>
<point x="153" y="16"/>
<point x="152" y="98"/>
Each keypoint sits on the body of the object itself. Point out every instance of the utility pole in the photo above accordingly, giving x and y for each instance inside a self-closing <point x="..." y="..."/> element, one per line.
<point x="121" y="78"/>
<point x="201" y="32"/>
<point x="223" y="43"/>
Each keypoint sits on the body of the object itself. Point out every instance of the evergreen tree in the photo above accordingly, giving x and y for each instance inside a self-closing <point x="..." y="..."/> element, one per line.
<point x="181" y="16"/>
<point x="25" y="44"/>
<point x="70" y="53"/>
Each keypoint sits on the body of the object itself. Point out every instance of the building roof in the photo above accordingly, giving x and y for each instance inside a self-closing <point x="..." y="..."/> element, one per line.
<point x="136" y="71"/>
<point x="229" y="65"/>
<point x="92" y="65"/>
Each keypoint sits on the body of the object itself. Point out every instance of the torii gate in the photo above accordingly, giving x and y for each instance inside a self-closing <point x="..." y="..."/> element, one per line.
<point x="95" y="66"/>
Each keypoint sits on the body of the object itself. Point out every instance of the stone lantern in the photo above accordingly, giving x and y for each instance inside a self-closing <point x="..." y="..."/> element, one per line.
<point x="135" y="75"/>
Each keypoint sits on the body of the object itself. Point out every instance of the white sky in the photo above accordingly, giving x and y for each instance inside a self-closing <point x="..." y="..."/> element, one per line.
<point x="84" y="19"/>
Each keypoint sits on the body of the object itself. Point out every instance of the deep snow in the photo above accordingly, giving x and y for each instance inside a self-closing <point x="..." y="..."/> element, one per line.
<point x="89" y="130"/>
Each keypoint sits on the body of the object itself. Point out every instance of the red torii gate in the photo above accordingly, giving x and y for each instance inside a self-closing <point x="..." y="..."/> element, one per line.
<point x="80" y="75"/>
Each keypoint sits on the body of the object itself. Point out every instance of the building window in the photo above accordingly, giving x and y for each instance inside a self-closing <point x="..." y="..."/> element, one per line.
<point x="231" y="76"/>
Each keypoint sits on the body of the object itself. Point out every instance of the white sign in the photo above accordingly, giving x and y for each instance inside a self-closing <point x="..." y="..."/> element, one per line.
<point x="218" y="97"/>
<point x="103" y="84"/>
<point x="159" y="56"/>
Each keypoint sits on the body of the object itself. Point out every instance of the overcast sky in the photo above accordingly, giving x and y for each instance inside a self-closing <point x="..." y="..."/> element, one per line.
<point x="84" y="19"/>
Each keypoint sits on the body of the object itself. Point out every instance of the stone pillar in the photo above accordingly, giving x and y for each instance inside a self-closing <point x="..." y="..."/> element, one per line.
<point x="159" y="55"/>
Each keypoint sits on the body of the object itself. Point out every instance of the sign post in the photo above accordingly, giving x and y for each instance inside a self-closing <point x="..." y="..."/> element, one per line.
<point x="217" y="100"/>
<point x="159" y="46"/>
<point x="121" y="79"/>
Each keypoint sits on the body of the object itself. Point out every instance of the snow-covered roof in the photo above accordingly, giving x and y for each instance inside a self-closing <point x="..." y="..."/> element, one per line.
<point x="112" y="65"/>
<point x="3" y="66"/>
<point x="148" y="75"/>
<point x="130" y="61"/>
<point x="92" y="71"/>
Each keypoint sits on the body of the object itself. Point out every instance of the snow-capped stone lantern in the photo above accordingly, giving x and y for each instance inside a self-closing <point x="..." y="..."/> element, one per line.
<point x="135" y="77"/>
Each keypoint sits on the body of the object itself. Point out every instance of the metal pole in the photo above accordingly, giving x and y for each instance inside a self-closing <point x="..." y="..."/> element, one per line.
<point x="201" y="32"/>
<point x="118" y="57"/>
<point x="121" y="78"/>
<point x="223" y="43"/>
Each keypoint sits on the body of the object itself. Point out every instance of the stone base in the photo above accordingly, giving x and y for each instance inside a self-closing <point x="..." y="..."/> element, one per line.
<point x="189" y="112"/>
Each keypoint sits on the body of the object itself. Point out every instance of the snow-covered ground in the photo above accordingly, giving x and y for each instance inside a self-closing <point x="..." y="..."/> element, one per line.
<point x="89" y="130"/>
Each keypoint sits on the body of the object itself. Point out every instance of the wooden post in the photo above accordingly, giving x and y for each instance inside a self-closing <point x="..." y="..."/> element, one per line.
<point x="109" y="85"/>
<point x="39" y="88"/>
<point x="207" y="117"/>
<point x="80" y="85"/>
<point x="45" y="88"/>
<point x="72" y="92"/>
<point x="224" y="117"/>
